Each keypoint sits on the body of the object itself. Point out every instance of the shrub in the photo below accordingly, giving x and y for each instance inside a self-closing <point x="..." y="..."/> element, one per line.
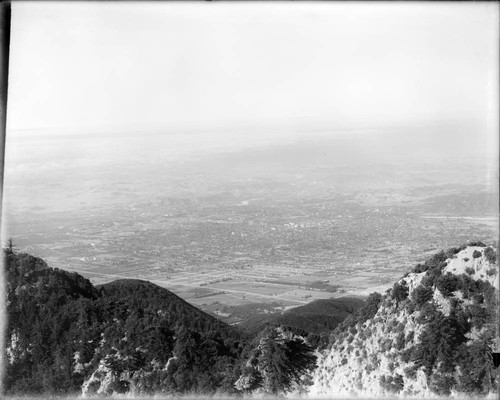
<point x="427" y="313"/>
<point x="419" y="268"/>
<point x="422" y="294"/>
<point x="431" y="277"/>
<point x="392" y="384"/>
<point x="478" y="298"/>
<point x="467" y="285"/>
<point x="489" y="294"/>
<point x="370" y="309"/>
<point x="406" y="355"/>
<point x="454" y="250"/>
<point x="409" y="336"/>
<point x="447" y="284"/>
<point x="470" y="270"/>
<point x="490" y="255"/>
<point x="491" y="272"/>
<point x="411" y="307"/>
<point x="400" y="292"/>
<point x="387" y="345"/>
<point x="466" y="259"/>
<point x="399" y="327"/>
<point x="479" y="316"/>
<point x="400" y="341"/>
<point x="442" y="384"/>
<point x="479" y="290"/>
<point x="476" y="254"/>
<point x="436" y="261"/>
<point x="455" y="303"/>
<point x="343" y="361"/>
<point x="477" y="243"/>
<point x="411" y="372"/>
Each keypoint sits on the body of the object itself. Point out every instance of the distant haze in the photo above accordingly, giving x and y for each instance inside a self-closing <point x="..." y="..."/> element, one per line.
<point x="127" y="65"/>
<point x="130" y="114"/>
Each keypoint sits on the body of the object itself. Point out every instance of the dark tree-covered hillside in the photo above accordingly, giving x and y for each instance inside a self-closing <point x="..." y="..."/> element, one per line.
<point x="65" y="336"/>
<point x="315" y="318"/>
<point x="61" y="329"/>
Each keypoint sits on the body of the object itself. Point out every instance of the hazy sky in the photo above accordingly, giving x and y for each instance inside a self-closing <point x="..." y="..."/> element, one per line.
<point x="208" y="65"/>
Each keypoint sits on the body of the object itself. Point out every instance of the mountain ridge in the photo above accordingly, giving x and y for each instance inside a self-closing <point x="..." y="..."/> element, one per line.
<point x="430" y="334"/>
<point x="65" y="335"/>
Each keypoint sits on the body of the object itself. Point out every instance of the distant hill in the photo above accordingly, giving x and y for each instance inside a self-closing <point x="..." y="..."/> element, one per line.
<point x="148" y="297"/>
<point x="318" y="316"/>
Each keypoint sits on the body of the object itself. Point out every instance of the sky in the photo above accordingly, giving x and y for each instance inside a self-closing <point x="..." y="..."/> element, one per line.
<point x="173" y="65"/>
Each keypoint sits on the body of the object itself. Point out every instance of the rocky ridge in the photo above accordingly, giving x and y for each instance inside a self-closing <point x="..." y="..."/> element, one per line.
<point x="431" y="335"/>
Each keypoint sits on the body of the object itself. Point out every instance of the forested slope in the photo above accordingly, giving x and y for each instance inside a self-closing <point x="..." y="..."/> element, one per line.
<point x="65" y="336"/>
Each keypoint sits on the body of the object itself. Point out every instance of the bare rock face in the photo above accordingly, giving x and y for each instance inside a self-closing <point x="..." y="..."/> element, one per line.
<point x="100" y="382"/>
<point x="431" y="335"/>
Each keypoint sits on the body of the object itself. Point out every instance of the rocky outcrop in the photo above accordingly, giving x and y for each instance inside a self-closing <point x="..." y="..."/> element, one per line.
<point x="431" y="335"/>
